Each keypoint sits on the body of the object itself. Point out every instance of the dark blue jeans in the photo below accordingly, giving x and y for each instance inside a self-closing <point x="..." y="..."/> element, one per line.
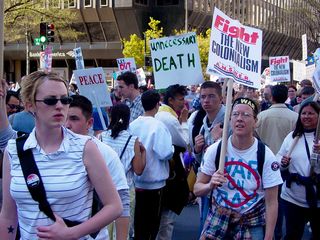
<point x="296" y="219"/>
<point x="205" y="205"/>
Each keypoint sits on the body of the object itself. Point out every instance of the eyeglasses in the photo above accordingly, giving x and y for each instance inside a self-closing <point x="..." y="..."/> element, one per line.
<point x="54" y="101"/>
<point x="242" y="114"/>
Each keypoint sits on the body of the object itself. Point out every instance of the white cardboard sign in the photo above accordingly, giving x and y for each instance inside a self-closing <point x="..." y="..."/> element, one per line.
<point x="176" y="60"/>
<point x="79" y="58"/>
<point x="126" y="64"/>
<point x="235" y="50"/>
<point x="92" y="84"/>
<point x="279" y="69"/>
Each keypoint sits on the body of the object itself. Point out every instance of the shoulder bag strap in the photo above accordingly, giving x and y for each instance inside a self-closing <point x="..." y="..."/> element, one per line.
<point x="32" y="177"/>
<point x="125" y="146"/>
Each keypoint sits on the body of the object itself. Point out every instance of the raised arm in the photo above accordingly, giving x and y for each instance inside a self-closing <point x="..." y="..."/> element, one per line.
<point x="3" y="110"/>
<point x="8" y="215"/>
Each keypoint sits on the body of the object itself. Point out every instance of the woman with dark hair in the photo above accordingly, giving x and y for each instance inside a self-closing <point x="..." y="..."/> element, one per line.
<point x="301" y="190"/>
<point x="131" y="153"/>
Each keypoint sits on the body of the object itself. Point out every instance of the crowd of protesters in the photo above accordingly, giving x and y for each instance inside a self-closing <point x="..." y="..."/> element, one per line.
<point x="160" y="151"/>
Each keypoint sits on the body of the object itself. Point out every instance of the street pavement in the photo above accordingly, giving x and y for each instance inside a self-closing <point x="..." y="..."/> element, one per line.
<point x="187" y="225"/>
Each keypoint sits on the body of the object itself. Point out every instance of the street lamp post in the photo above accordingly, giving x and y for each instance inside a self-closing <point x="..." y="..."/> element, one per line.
<point x="27" y="54"/>
<point x="186" y="16"/>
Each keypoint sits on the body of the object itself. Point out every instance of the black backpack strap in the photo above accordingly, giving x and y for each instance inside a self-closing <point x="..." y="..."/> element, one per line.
<point x="34" y="181"/>
<point x="261" y="156"/>
<point x="125" y="146"/>
<point x="35" y="184"/>
<point x="32" y="177"/>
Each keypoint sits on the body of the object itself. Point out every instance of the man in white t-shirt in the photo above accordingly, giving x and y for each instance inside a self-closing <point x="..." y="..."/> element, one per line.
<point x="243" y="201"/>
<point x="79" y="121"/>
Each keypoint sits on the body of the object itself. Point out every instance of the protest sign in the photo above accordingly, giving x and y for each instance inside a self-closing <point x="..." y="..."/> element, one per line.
<point x="46" y="59"/>
<point x="79" y="58"/>
<point x="279" y="69"/>
<point x="235" y="50"/>
<point x="301" y="71"/>
<point x="126" y="64"/>
<point x="141" y="77"/>
<point x="304" y="47"/>
<point x="265" y="76"/>
<point x="176" y="60"/>
<point x="316" y="56"/>
<point x="92" y="84"/>
<point x="316" y="79"/>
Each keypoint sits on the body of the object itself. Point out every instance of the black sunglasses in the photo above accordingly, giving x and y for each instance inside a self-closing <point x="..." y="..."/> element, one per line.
<point x="54" y="101"/>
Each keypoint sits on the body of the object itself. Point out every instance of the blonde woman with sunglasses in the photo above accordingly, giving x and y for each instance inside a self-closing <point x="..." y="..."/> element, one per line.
<point x="70" y="166"/>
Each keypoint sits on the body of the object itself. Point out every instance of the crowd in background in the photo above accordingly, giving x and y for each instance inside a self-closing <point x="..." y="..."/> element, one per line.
<point x="162" y="151"/>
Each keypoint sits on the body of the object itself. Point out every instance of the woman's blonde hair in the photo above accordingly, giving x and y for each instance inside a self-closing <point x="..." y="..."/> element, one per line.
<point x="31" y="83"/>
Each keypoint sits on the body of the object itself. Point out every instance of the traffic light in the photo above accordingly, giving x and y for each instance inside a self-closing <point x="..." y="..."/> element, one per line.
<point x="43" y="33"/>
<point x="46" y="33"/>
<point x="147" y="61"/>
<point x="50" y="33"/>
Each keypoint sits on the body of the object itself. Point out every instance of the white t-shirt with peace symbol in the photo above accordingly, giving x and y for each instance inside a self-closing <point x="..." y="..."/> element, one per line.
<point x="244" y="187"/>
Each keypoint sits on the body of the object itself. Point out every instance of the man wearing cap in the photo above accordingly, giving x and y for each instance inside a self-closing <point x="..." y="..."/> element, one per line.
<point x="244" y="197"/>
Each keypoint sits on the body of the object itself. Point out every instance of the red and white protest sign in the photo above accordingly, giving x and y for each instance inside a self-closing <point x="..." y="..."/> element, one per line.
<point x="279" y="69"/>
<point x="92" y="84"/>
<point x="235" y="50"/>
<point x="126" y="64"/>
<point x="46" y="59"/>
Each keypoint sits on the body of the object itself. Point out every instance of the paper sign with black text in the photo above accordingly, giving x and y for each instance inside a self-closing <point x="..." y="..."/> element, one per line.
<point x="92" y="84"/>
<point x="126" y="64"/>
<point x="235" y="50"/>
<point x="279" y="69"/>
<point x="176" y="60"/>
<point x="79" y="58"/>
<point x="141" y="77"/>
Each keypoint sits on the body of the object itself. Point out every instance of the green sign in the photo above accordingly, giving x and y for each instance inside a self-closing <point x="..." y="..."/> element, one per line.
<point x="37" y="41"/>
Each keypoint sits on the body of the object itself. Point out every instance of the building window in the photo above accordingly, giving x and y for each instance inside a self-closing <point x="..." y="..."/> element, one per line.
<point x="88" y="3"/>
<point x="72" y="4"/>
<point x="141" y="2"/>
<point x="103" y="3"/>
<point x="167" y="2"/>
<point x="55" y="4"/>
